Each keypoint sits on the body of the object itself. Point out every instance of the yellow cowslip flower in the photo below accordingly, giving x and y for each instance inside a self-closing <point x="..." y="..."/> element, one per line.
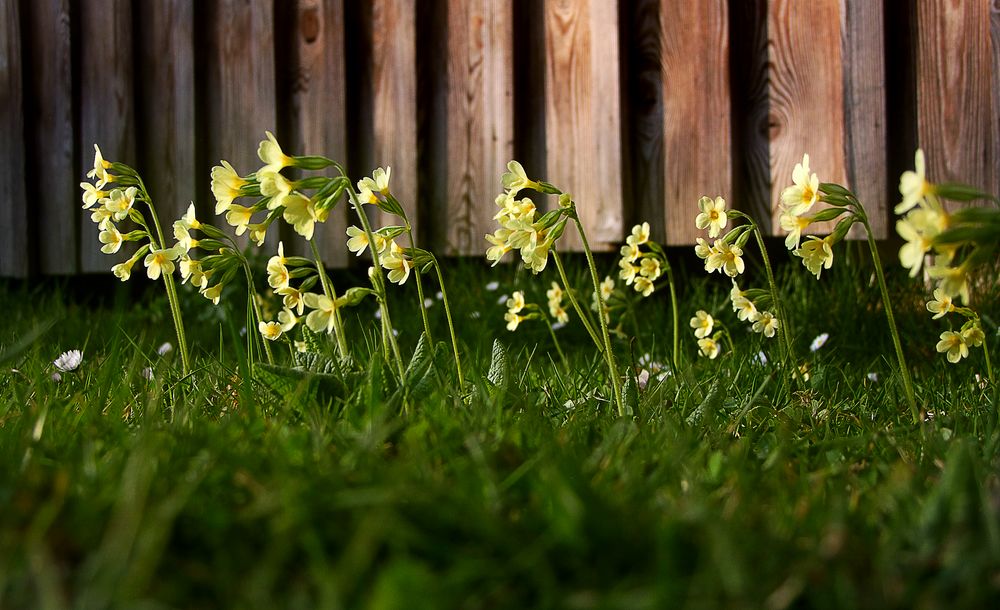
<point x="100" y="172"/>
<point x="379" y="182"/>
<point x="277" y="273"/>
<point x="727" y="257"/>
<point x="226" y="185"/>
<point x="804" y="192"/>
<point x="270" y="153"/>
<point x="365" y="195"/>
<point x="358" y="241"/>
<point x="560" y="314"/>
<point x="161" y="262"/>
<point x="709" y="348"/>
<point x="628" y="271"/>
<point x="292" y="298"/>
<point x="555" y="293"/>
<point x="974" y="335"/>
<point x="630" y="252"/>
<point x="607" y="288"/>
<point x="650" y="268"/>
<point x="744" y="307"/>
<point x="212" y="293"/>
<point x="91" y="195"/>
<point x="287" y="319"/>
<point x="794" y="225"/>
<point x="269" y="330"/>
<point x="919" y="229"/>
<point x="191" y="269"/>
<point x="120" y="202"/>
<point x="516" y="209"/>
<point x="123" y="271"/>
<point x="516" y="302"/>
<point x="102" y="216"/>
<point x="302" y="214"/>
<point x="500" y="246"/>
<point x="239" y="217"/>
<point x="536" y="255"/>
<point x="257" y="232"/>
<point x="913" y="186"/>
<point x="188" y="220"/>
<point x="713" y="215"/>
<point x="702" y="323"/>
<point x="702" y="249"/>
<point x="954" y="345"/>
<point x="941" y="304"/>
<point x="273" y="185"/>
<point x="953" y="281"/>
<point x="644" y="286"/>
<point x="183" y="237"/>
<point x="111" y="239"/>
<point x="766" y="323"/>
<point x="396" y="263"/>
<point x="641" y="233"/>
<point x="513" y="319"/>
<point x="515" y="178"/>
<point x="321" y="318"/>
<point x="816" y="254"/>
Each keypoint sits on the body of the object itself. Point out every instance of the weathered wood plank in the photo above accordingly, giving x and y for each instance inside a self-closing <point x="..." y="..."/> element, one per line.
<point x="480" y="117"/>
<point x="956" y="87"/>
<point x="316" y="121"/>
<point x="862" y="41"/>
<point x="696" y="110"/>
<point x="806" y="93"/>
<point x="51" y="133"/>
<point x="13" y="204"/>
<point x="167" y="112"/>
<point x="239" y="84"/>
<point x="107" y="108"/>
<point x="583" y="114"/>
<point x="394" y="98"/>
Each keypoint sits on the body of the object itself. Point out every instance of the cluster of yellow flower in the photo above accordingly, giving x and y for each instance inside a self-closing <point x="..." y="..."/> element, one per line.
<point x="515" y="305"/>
<point x="745" y="305"/>
<point x="956" y="343"/>
<point x="555" y="298"/>
<point x="724" y="255"/>
<point x="599" y="301"/>
<point x="641" y="276"/>
<point x="703" y="324"/>
<point x="797" y="201"/>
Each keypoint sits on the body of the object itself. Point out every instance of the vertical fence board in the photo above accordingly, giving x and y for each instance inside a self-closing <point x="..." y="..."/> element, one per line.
<point x="51" y="134"/>
<point x="480" y="128"/>
<point x="317" y="115"/>
<point x="955" y="89"/>
<point x="107" y="110"/>
<point x="583" y="114"/>
<point x="806" y="93"/>
<point x="239" y="86"/>
<point x="13" y="205"/>
<point x="696" y="110"/>
<point x="865" y="110"/>
<point x="166" y="117"/>
<point x="394" y="95"/>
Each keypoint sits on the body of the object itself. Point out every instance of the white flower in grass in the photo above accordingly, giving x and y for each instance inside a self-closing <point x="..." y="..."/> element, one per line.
<point x="713" y="215"/>
<point x="492" y="286"/>
<point x="819" y="342"/>
<point x="147" y="373"/>
<point x="702" y="323"/>
<point x="428" y="303"/>
<point x="760" y="358"/>
<point x="872" y="377"/>
<point x="165" y="349"/>
<point x="69" y="361"/>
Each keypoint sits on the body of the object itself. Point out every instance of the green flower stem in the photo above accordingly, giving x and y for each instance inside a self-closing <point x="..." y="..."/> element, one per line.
<point x="552" y="332"/>
<point x="788" y="352"/>
<point x="609" y="355"/>
<point x="573" y="301"/>
<point x="331" y="293"/>
<point x="255" y="308"/>
<point x="989" y="365"/>
<point x="676" y="316"/>
<point x="420" y="285"/>
<point x="903" y="369"/>
<point x="451" y="325"/>
<point x="168" y="280"/>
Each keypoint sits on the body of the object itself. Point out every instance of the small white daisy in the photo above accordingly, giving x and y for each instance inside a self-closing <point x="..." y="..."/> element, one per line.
<point x="69" y="361"/>
<point x="819" y="341"/>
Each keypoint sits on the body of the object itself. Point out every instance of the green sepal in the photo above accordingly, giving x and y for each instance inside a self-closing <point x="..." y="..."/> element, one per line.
<point x="211" y="231"/>
<point x="298" y="261"/>
<point x="301" y="272"/>
<point x="828" y="214"/>
<point x="832" y="188"/>
<point x="313" y="182"/>
<point x="210" y="244"/>
<point x="312" y="162"/>
<point x="547" y="188"/>
<point x="391" y="231"/>
<point x="957" y="191"/>
<point x="836" y="200"/>
<point x="354" y="296"/>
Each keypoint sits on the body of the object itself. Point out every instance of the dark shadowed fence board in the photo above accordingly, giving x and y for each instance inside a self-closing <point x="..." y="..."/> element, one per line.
<point x="107" y="110"/>
<point x="480" y="121"/>
<point x="394" y="116"/>
<point x="696" y="110"/>
<point x="238" y="92"/>
<point x="51" y="134"/>
<point x="863" y="46"/>
<point x="13" y="205"/>
<point x="166" y="113"/>
<point x="955" y="89"/>
<point x="316" y="116"/>
<point x="806" y="93"/>
<point x="583" y="114"/>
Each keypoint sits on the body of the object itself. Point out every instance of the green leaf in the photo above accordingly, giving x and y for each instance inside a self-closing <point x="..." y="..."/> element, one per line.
<point x="630" y="394"/>
<point x="497" y="374"/>
<point x="960" y="192"/>
<point x="705" y="412"/>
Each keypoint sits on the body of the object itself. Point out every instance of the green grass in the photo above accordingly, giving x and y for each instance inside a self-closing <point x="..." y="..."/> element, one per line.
<point x="719" y="490"/>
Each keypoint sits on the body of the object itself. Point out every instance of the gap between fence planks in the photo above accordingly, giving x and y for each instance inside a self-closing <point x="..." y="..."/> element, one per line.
<point x="13" y="204"/>
<point x="583" y="115"/>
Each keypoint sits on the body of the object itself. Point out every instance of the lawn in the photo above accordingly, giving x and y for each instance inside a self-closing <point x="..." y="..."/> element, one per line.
<point x="724" y="484"/>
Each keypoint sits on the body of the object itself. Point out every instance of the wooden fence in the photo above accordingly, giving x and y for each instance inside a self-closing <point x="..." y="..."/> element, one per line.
<point x="637" y="108"/>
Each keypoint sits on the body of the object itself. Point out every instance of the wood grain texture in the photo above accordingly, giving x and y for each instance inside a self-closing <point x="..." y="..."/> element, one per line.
<point x="238" y="90"/>
<point x="394" y="97"/>
<point x="696" y="111"/>
<point x="51" y="133"/>
<point x="956" y="87"/>
<point x="107" y="104"/>
<point x="863" y="45"/>
<point x="13" y="204"/>
<point x="167" y="112"/>
<point x="806" y="93"/>
<point x="480" y="117"/>
<point x="316" y="117"/>
<point x="583" y="115"/>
